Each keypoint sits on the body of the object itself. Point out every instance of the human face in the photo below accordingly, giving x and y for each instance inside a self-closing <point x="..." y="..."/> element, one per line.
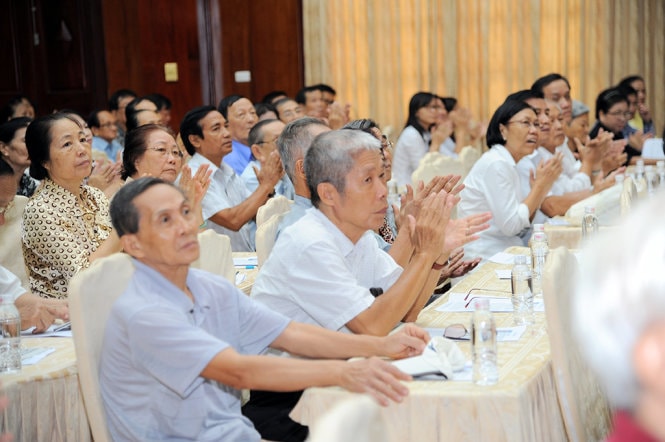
<point x="70" y="155"/>
<point x="314" y="105"/>
<point x="242" y="117"/>
<point x="521" y="134"/>
<point x="8" y="186"/>
<point x="327" y="97"/>
<point x="84" y="125"/>
<point x="119" y="114"/>
<point x="641" y="89"/>
<point x="268" y="144"/>
<point x="364" y="202"/>
<point x="543" y="114"/>
<point x="165" y="116"/>
<point x="148" y="117"/>
<point x="167" y="235"/>
<point x="559" y="92"/>
<point x="632" y="105"/>
<point x="216" y="141"/>
<point x="386" y="153"/>
<point x="16" y="153"/>
<point x="289" y="111"/>
<point x="24" y="109"/>
<point x="431" y="114"/>
<point x="578" y="127"/>
<point x="162" y="157"/>
<point x="557" y="136"/>
<point x="107" y="129"/>
<point x="616" y="117"/>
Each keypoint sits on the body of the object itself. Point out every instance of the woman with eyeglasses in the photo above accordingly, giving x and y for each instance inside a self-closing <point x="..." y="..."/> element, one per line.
<point x="612" y="115"/>
<point x="427" y="129"/>
<point x="493" y="184"/>
<point x="66" y="224"/>
<point x="151" y="150"/>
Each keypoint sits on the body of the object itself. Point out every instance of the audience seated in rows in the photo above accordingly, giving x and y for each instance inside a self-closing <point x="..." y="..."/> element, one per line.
<point x="117" y="104"/>
<point x="104" y="129"/>
<point x="228" y="206"/>
<point x="179" y="340"/>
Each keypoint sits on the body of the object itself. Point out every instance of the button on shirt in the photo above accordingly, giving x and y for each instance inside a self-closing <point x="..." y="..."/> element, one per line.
<point x="157" y="342"/>
<point x="493" y="185"/>
<point x="316" y="275"/>
<point x="239" y="157"/>
<point x="111" y="149"/>
<point x="226" y="190"/>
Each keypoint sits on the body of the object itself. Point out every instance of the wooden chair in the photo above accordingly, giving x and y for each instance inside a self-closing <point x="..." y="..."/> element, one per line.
<point x="216" y="255"/>
<point x="585" y="410"/>
<point x="91" y="294"/>
<point x="274" y="206"/>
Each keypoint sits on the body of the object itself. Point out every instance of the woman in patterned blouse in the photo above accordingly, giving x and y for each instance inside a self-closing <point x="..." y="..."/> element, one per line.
<point x="66" y="224"/>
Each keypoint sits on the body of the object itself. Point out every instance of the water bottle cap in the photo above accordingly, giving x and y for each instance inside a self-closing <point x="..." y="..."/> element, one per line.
<point x="520" y="259"/>
<point x="589" y="209"/>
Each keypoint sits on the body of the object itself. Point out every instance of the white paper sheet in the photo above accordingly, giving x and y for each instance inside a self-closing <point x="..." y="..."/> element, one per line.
<point x="457" y="303"/>
<point x="31" y="356"/>
<point x="250" y="261"/>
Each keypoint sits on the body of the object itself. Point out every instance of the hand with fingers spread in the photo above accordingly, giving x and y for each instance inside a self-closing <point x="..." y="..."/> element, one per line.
<point x="40" y="312"/>
<point x="463" y="231"/>
<point x="271" y="172"/>
<point x="547" y="172"/>
<point x="614" y="156"/>
<point x="457" y="266"/>
<point x="428" y="229"/>
<point x="601" y="183"/>
<point x="440" y="133"/>
<point x="195" y="187"/>
<point x="376" y="377"/>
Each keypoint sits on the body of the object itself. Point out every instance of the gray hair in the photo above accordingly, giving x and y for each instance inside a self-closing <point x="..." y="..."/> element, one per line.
<point x="619" y="294"/>
<point x="295" y="140"/>
<point x="332" y="156"/>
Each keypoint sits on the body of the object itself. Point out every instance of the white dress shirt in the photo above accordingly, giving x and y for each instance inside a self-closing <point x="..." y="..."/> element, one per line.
<point x="493" y="185"/>
<point x="10" y="284"/>
<point x="226" y="190"/>
<point x="410" y="149"/>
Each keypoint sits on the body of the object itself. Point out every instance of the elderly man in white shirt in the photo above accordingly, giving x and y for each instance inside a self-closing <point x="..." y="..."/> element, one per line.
<point x="228" y="206"/>
<point x="327" y="268"/>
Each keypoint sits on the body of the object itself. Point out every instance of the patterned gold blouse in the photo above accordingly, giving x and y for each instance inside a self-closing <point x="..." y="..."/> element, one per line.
<point x="60" y="232"/>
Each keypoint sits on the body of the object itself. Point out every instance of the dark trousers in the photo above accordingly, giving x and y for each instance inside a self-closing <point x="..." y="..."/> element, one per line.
<point x="269" y="412"/>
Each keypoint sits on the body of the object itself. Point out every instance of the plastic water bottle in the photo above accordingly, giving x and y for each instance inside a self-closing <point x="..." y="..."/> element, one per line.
<point x="483" y="341"/>
<point x="522" y="292"/>
<point x="589" y="222"/>
<point x="539" y="251"/>
<point x="639" y="169"/>
<point x="10" y="341"/>
<point x="619" y="179"/>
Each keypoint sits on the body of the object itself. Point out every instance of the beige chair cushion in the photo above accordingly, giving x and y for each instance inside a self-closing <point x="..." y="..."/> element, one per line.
<point x="91" y="294"/>
<point x="584" y="407"/>
<point x="265" y="237"/>
<point x="11" y="253"/>
<point x="435" y="164"/>
<point x="274" y="206"/>
<point x="216" y="255"/>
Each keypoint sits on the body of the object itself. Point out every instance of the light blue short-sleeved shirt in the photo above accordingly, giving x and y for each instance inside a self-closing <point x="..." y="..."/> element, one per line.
<point x="283" y="186"/>
<point x="239" y="156"/>
<point x="156" y="344"/>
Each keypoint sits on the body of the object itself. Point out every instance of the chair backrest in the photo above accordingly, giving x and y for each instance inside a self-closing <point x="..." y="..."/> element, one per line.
<point x="358" y="419"/>
<point x="468" y="156"/>
<point x="216" y="255"/>
<point x="265" y="237"/>
<point x="435" y="164"/>
<point x="274" y="206"/>
<point x="91" y="294"/>
<point x="586" y="412"/>
<point x="11" y="253"/>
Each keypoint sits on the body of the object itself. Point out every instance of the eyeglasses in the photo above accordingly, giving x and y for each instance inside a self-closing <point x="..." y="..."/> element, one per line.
<point x="386" y="143"/>
<point x="164" y="152"/>
<point x="526" y="124"/>
<point x="7" y="208"/>
<point x="269" y="142"/>
<point x="435" y="107"/>
<point x="626" y="115"/>
<point x="456" y="331"/>
<point x="470" y="298"/>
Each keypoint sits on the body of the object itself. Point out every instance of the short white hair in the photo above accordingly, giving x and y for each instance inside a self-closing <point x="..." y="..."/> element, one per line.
<point x="619" y="293"/>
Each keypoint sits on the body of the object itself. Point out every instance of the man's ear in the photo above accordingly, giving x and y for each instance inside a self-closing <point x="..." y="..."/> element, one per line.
<point x="131" y="245"/>
<point x="195" y="140"/>
<point x="256" y="151"/>
<point x="95" y="131"/>
<point x="327" y="193"/>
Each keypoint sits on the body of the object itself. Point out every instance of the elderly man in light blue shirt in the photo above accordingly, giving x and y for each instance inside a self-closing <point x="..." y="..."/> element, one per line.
<point x="180" y="343"/>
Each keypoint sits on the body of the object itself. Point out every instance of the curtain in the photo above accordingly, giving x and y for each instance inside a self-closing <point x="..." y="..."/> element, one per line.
<point x="378" y="53"/>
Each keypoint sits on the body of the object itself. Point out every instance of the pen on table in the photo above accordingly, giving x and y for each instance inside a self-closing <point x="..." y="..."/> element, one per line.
<point x="247" y="267"/>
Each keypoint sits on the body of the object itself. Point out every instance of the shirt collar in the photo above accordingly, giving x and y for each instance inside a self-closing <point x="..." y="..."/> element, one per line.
<point x="503" y="153"/>
<point x="343" y="242"/>
<point x="302" y="201"/>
